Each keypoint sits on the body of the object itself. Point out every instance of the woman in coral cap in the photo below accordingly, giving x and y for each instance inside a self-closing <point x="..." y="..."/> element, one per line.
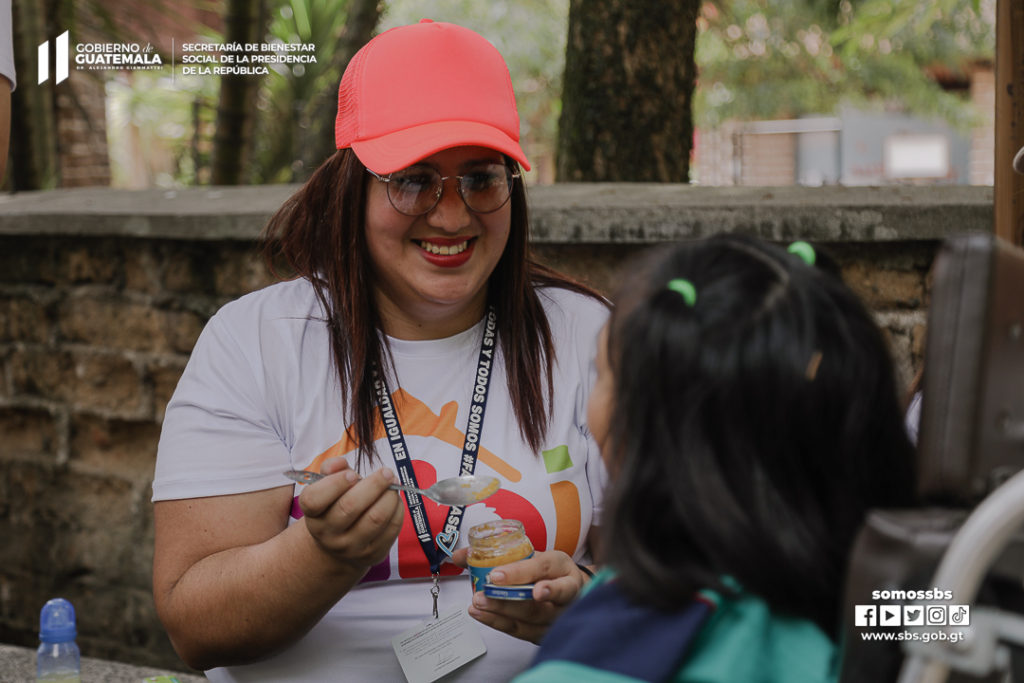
<point x="419" y="340"/>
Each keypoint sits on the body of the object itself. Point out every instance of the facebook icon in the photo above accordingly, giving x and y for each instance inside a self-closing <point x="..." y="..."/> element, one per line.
<point x="865" y="615"/>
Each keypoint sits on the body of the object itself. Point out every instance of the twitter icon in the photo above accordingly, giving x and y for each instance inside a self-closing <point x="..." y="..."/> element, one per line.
<point x="913" y="615"/>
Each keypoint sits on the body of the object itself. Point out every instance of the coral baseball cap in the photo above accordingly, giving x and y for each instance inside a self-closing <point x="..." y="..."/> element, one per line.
<point x="418" y="89"/>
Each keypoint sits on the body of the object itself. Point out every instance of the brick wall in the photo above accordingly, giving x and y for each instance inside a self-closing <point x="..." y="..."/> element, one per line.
<point x="890" y="277"/>
<point x="94" y="334"/>
<point x="103" y="294"/>
<point x="82" y="131"/>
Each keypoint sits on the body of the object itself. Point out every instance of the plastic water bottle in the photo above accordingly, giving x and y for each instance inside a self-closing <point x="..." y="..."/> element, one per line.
<point x="58" y="659"/>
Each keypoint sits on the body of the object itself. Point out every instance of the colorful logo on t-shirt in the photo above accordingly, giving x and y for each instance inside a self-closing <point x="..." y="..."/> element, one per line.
<point x="417" y="419"/>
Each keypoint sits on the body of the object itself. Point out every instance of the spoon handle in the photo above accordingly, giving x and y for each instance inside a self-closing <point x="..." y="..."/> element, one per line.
<point x="409" y="489"/>
<point x="303" y="476"/>
<point x="307" y="477"/>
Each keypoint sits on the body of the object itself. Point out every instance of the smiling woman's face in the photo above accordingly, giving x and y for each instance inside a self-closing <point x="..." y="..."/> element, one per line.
<point x="431" y="271"/>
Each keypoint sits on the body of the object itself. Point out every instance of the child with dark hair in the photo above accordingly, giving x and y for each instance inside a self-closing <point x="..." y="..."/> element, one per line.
<point x="747" y="408"/>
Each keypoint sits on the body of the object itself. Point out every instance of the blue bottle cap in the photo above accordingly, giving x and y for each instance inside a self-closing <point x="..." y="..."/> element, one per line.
<point x="57" y="622"/>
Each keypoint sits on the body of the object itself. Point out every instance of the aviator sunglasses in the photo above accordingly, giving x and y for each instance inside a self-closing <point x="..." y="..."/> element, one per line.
<point x="416" y="190"/>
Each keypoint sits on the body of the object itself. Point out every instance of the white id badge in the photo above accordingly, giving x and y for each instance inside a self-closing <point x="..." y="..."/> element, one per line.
<point x="438" y="647"/>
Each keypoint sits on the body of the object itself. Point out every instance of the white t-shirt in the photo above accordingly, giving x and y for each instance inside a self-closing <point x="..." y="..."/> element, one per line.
<point x="7" y="44"/>
<point x="260" y="395"/>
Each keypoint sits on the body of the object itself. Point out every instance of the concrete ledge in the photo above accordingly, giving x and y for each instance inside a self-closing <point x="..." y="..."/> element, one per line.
<point x="19" y="664"/>
<point x="645" y="213"/>
<point x="583" y="213"/>
<point x="210" y="213"/>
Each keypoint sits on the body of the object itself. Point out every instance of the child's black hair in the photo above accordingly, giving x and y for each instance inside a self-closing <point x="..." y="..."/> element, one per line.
<point x="750" y="432"/>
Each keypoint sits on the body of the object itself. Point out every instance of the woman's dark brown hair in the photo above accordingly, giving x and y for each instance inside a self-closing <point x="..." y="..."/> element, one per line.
<point x="319" y="233"/>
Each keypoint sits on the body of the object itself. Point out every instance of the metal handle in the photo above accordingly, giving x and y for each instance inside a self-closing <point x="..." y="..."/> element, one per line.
<point x="408" y="489"/>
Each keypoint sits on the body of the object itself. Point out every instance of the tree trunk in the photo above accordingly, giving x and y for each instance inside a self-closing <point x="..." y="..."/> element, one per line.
<point x="360" y="24"/>
<point x="628" y="90"/>
<point x="33" y="147"/>
<point x="236" y="108"/>
<point x="1009" y="133"/>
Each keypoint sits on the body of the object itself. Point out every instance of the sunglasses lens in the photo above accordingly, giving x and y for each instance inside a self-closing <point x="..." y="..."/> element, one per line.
<point x="487" y="188"/>
<point x="416" y="190"/>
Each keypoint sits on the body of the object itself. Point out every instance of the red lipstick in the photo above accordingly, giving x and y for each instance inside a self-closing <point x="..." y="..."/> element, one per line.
<point x="450" y="260"/>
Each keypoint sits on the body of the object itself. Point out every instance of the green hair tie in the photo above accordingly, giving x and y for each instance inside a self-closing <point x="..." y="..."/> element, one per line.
<point x="804" y="250"/>
<point x="685" y="289"/>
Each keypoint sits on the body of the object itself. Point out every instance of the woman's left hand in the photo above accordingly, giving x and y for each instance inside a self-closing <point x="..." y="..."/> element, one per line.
<point x="557" y="581"/>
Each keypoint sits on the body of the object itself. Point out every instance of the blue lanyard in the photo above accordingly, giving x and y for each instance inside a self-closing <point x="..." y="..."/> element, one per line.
<point x="400" y="451"/>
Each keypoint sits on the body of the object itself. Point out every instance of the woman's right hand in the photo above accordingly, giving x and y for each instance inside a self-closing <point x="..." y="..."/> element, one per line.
<point x="227" y="570"/>
<point x="354" y="520"/>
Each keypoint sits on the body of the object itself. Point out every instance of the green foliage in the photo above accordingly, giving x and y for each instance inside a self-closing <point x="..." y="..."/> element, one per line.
<point x="154" y="117"/>
<point x="289" y="120"/>
<point x="152" y="120"/>
<point x="764" y="59"/>
<point x="160" y="125"/>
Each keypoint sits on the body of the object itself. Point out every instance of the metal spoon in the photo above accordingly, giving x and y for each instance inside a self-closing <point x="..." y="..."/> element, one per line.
<point x="455" y="491"/>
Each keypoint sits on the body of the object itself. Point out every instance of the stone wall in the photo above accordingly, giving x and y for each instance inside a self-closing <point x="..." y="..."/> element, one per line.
<point x="103" y="293"/>
<point x="94" y="333"/>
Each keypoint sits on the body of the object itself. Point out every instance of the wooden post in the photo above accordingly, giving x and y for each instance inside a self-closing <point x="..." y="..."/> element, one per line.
<point x="1009" y="137"/>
